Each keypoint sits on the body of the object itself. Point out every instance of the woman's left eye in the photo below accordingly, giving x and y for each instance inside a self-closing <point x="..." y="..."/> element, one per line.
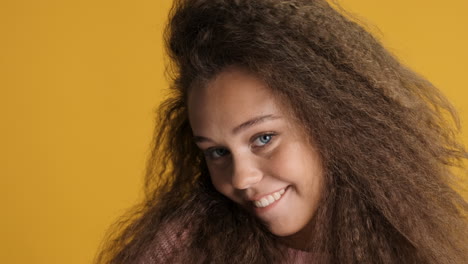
<point x="263" y="140"/>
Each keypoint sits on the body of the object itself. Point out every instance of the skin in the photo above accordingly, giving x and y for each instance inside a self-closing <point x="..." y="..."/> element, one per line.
<point x="248" y="160"/>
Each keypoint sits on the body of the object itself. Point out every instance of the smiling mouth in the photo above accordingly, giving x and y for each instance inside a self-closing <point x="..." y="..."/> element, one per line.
<point x="269" y="199"/>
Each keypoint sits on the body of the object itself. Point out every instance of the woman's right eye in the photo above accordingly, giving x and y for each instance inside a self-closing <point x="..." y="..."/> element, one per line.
<point x="216" y="153"/>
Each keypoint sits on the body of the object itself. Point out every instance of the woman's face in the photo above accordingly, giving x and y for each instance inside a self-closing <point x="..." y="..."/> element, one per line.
<point x="256" y="155"/>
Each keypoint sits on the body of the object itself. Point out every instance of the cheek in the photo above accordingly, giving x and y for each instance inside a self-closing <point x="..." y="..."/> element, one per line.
<point x="288" y="162"/>
<point x="220" y="182"/>
<point x="299" y="165"/>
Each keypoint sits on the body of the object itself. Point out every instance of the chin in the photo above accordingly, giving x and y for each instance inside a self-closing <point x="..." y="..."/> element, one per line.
<point x="283" y="232"/>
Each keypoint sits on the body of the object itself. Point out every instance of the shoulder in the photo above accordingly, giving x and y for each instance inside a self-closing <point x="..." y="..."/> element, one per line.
<point x="167" y="245"/>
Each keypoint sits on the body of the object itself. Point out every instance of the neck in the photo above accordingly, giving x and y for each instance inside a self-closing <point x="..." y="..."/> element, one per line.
<point x="300" y="240"/>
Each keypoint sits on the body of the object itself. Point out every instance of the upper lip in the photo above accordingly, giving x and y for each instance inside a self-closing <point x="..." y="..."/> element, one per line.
<point x="260" y="196"/>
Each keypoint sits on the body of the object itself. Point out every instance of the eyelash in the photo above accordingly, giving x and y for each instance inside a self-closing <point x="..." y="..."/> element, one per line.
<point x="210" y="152"/>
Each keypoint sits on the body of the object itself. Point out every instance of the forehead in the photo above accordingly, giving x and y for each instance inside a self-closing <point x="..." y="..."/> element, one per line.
<point x="232" y="97"/>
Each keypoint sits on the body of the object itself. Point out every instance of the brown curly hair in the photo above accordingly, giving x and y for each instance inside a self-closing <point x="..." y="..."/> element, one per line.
<point x="387" y="137"/>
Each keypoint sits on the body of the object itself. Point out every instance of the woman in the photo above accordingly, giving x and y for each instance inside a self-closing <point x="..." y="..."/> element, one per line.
<point x="293" y="136"/>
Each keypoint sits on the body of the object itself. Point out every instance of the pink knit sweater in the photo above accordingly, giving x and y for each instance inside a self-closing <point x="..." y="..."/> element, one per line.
<point x="167" y="244"/>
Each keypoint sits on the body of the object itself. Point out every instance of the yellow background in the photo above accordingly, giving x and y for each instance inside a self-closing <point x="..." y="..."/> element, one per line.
<point x="79" y="81"/>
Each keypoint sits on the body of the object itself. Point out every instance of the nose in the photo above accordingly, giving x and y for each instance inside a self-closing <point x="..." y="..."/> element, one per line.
<point x="246" y="172"/>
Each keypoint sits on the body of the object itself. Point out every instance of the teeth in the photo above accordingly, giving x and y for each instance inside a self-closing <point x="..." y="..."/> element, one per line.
<point x="269" y="199"/>
<point x="276" y="196"/>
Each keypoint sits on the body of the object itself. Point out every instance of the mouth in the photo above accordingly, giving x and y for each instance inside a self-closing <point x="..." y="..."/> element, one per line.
<point x="270" y="199"/>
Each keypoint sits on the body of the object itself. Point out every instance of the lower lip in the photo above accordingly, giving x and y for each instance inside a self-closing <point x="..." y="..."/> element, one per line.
<point x="260" y="210"/>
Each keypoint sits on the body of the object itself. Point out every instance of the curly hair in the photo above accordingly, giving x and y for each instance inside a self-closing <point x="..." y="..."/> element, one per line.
<point x="387" y="137"/>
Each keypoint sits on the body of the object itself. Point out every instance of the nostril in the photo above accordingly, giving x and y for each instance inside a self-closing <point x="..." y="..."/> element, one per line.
<point x="245" y="170"/>
<point x="246" y="178"/>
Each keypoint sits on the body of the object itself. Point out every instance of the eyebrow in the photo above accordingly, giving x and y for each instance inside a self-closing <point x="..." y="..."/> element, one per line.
<point x="249" y="123"/>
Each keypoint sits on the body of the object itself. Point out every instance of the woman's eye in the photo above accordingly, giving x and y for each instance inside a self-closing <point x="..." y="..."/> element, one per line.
<point x="263" y="140"/>
<point x="216" y="153"/>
